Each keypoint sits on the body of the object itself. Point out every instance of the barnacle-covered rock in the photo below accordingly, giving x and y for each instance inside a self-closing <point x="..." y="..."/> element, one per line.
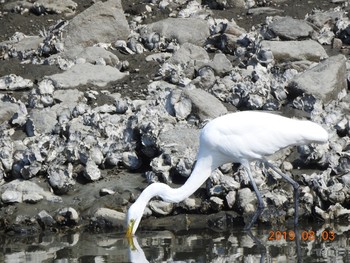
<point x="60" y="178"/>
<point x="14" y="82"/>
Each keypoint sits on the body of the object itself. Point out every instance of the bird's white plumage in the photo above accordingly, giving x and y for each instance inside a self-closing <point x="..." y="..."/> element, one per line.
<point x="237" y="137"/>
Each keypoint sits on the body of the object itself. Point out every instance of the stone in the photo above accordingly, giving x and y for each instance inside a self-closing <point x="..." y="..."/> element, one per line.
<point x="11" y="196"/>
<point x="216" y="203"/>
<point x="276" y="199"/>
<point x="106" y="191"/>
<point x="246" y="200"/>
<point x="161" y="207"/>
<point x="288" y="28"/>
<point x="266" y="11"/>
<point x="287" y="51"/>
<point x="41" y="121"/>
<point x="60" y="178"/>
<point x="185" y="30"/>
<point x="68" y="98"/>
<point x="231" y="198"/>
<point x="91" y="55"/>
<point x="67" y="216"/>
<point x="220" y="64"/>
<point x="103" y="22"/>
<point x="24" y="190"/>
<point x="190" y="203"/>
<point x="115" y="218"/>
<point x="7" y="110"/>
<point x="45" y="219"/>
<point x="32" y="198"/>
<point x="14" y="82"/>
<point x="131" y="160"/>
<point x="325" y="81"/>
<point x="188" y="52"/>
<point x="205" y="105"/>
<point x="67" y="7"/>
<point x="92" y="172"/>
<point x="86" y="74"/>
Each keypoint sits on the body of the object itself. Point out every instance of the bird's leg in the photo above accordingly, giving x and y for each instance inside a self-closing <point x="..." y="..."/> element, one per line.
<point x="258" y="195"/>
<point x="296" y="187"/>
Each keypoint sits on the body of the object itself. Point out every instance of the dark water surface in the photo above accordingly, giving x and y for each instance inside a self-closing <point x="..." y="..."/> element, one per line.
<point x="327" y="243"/>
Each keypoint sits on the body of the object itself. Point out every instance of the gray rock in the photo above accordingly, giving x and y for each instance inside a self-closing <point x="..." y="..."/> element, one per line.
<point x="29" y="171"/>
<point x="68" y="98"/>
<point x="86" y="74"/>
<point x="179" y="105"/>
<point x="41" y="121"/>
<point x="185" y="30"/>
<point x="161" y="207"/>
<point x="102" y="22"/>
<point x="14" y="82"/>
<point x="7" y="110"/>
<point x="205" y="105"/>
<point x="325" y="81"/>
<point x="276" y="199"/>
<point x="287" y="51"/>
<point x="229" y="183"/>
<point x="91" y="55"/>
<point x="320" y="18"/>
<point x="246" y="200"/>
<point x="220" y="64"/>
<point x="45" y="219"/>
<point x="67" y="7"/>
<point x="190" y="204"/>
<point x="22" y="47"/>
<point x="288" y="28"/>
<point x="188" y="52"/>
<point x="106" y="191"/>
<point x="131" y="160"/>
<point x="32" y="198"/>
<point x="92" y="172"/>
<point x="11" y="196"/>
<point x="67" y="216"/>
<point x="264" y="11"/>
<point x="217" y="190"/>
<point x="60" y="178"/>
<point x="115" y="218"/>
<point x="216" y="203"/>
<point x="24" y="188"/>
<point x="180" y="137"/>
<point x="231" y="198"/>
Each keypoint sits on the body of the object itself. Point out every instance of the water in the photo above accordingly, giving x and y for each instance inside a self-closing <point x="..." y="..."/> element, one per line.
<point x="327" y="243"/>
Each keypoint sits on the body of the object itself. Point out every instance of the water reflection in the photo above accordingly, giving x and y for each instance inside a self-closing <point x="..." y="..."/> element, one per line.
<point x="312" y="245"/>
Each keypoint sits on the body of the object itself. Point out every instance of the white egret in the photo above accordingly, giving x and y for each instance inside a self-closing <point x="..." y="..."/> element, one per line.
<point x="239" y="137"/>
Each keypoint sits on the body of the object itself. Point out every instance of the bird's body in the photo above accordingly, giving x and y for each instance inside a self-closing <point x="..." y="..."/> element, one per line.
<point x="239" y="137"/>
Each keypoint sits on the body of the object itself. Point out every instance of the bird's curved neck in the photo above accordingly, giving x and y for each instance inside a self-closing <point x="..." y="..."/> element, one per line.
<point x="200" y="174"/>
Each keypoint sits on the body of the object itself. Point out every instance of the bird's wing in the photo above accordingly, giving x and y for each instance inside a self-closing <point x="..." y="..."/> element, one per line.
<point x="250" y="136"/>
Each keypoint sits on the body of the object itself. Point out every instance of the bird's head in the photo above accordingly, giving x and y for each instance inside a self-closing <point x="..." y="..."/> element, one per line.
<point x="133" y="219"/>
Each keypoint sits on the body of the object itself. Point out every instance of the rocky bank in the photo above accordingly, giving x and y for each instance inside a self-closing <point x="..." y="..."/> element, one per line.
<point x="100" y="99"/>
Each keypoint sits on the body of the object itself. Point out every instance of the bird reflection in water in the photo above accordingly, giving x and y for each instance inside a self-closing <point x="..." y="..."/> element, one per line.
<point x="136" y="254"/>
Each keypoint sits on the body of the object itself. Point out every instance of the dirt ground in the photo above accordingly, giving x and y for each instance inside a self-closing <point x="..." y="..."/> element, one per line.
<point x="141" y="72"/>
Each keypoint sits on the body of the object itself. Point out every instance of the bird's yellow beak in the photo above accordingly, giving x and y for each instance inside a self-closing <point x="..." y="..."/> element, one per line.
<point x="130" y="228"/>
<point x="129" y="235"/>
